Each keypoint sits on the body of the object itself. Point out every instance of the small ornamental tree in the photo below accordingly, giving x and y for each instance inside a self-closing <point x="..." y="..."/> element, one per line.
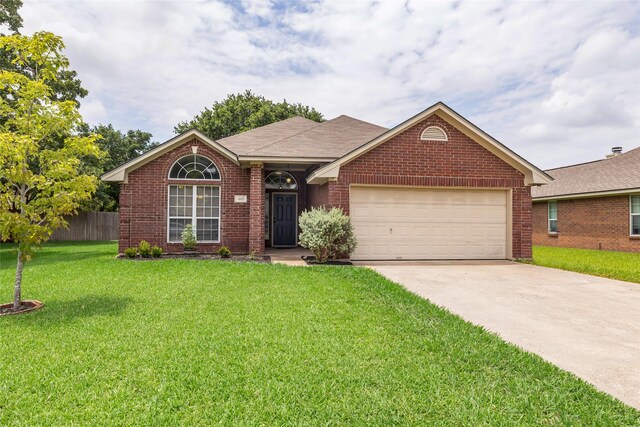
<point x="40" y="150"/>
<point x="327" y="233"/>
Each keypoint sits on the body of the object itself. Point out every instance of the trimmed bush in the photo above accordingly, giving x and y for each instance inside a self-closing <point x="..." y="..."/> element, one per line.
<point x="131" y="252"/>
<point x="144" y="248"/>
<point x="224" y="252"/>
<point x="156" y="251"/>
<point x="189" y="237"/>
<point x="327" y="233"/>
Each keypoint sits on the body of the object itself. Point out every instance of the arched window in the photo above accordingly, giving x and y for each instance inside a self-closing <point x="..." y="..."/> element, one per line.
<point x="434" y="133"/>
<point x="280" y="180"/>
<point x="194" y="166"/>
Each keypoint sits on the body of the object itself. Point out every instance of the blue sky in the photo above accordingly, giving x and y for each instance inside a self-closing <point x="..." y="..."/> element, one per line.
<point x="558" y="82"/>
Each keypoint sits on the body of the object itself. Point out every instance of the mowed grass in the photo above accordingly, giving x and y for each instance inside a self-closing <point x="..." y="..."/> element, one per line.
<point x="179" y="342"/>
<point x="614" y="265"/>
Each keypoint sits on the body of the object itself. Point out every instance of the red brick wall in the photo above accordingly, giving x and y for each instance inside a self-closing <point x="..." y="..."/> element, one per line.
<point x="143" y="202"/>
<point x="594" y="223"/>
<point x="317" y="195"/>
<point x="461" y="162"/>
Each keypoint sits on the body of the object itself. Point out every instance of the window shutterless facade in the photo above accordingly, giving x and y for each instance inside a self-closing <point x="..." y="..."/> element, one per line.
<point x="634" y="217"/>
<point x="553" y="216"/>
<point x="198" y="205"/>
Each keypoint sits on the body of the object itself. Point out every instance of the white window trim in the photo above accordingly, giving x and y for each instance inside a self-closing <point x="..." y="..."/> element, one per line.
<point x="631" y="215"/>
<point x="423" y="138"/>
<point x="195" y="179"/>
<point x="194" y="218"/>
<point x="549" y="217"/>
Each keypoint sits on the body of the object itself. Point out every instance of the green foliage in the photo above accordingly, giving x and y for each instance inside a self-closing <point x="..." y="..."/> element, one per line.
<point x="144" y="248"/>
<point x="191" y="343"/>
<point x="131" y="252"/>
<point x="244" y="111"/>
<point x="39" y="183"/>
<point x="327" y="233"/>
<point x="224" y="252"/>
<point x="119" y="148"/>
<point x="614" y="265"/>
<point x="9" y="15"/>
<point x="156" y="251"/>
<point x="189" y="237"/>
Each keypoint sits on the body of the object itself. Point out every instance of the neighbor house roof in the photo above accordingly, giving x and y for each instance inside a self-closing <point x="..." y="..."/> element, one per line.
<point x="533" y="175"/>
<point x="615" y="175"/>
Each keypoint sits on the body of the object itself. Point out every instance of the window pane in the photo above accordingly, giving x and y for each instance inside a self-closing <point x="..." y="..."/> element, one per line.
<point x="176" y="226"/>
<point x="635" y="225"/>
<point x="207" y="229"/>
<point x="635" y="204"/>
<point x="553" y="226"/>
<point x="553" y="210"/>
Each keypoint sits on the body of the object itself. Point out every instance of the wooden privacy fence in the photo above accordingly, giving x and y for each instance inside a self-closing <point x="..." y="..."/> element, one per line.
<point x="89" y="226"/>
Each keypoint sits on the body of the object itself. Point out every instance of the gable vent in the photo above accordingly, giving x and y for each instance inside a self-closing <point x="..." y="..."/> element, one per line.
<point x="433" y="133"/>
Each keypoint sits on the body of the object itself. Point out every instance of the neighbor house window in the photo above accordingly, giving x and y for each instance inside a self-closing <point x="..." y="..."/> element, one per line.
<point x="635" y="215"/>
<point x="198" y="205"/>
<point x="553" y="217"/>
<point x="434" y="133"/>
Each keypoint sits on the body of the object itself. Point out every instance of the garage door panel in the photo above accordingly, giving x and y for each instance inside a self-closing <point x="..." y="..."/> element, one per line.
<point x="410" y="223"/>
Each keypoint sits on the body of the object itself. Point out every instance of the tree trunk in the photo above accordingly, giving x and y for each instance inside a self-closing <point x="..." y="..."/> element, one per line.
<point x="17" y="293"/>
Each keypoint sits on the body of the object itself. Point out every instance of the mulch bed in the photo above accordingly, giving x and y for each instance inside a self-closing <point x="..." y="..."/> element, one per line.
<point x="311" y="260"/>
<point x="204" y="257"/>
<point x="25" y="307"/>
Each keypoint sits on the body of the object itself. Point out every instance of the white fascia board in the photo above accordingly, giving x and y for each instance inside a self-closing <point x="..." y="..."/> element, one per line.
<point x="120" y="173"/>
<point x="588" y="195"/>
<point x="533" y="175"/>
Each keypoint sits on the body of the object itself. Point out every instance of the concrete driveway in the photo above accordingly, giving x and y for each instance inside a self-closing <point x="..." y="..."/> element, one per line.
<point x="584" y="324"/>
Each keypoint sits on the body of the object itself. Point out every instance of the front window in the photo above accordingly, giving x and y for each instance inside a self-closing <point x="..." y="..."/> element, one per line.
<point x="553" y="217"/>
<point x="194" y="167"/>
<point x="198" y="205"/>
<point x="635" y="215"/>
<point x="280" y="180"/>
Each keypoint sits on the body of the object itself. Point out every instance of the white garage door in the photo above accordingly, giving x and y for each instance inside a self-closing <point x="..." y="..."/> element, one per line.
<point x="418" y="223"/>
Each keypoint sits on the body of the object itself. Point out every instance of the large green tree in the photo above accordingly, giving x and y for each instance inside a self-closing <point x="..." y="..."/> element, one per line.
<point x="243" y="111"/>
<point x="119" y="147"/>
<point x="66" y="86"/>
<point x="40" y="181"/>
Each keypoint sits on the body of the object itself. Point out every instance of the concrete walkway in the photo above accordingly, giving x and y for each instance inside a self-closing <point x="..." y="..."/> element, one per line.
<point x="584" y="324"/>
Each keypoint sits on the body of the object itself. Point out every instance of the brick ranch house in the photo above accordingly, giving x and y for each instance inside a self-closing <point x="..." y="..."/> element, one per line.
<point x="593" y="205"/>
<point x="433" y="187"/>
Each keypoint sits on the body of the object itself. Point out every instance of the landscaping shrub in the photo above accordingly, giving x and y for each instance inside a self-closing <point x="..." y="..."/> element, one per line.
<point x="224" y="252"/>
<point x="189" y="237"/>
<point x="327" y="233"/>
<point x="131" y="252"/>
<point x="156" y="251"/>
<point x="144" y="248"/>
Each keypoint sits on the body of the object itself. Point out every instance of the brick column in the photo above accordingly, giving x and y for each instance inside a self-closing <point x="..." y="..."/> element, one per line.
<point x="256" y="209"/>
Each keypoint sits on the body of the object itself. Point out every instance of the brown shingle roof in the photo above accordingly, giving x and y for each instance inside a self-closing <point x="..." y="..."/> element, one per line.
<point x="331" y="139"/>
<point x="253" y="139"/>
<point x="616" y="173"/>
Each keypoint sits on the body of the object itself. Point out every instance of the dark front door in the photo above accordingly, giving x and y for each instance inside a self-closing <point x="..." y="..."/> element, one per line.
<point x="285" y="219"/>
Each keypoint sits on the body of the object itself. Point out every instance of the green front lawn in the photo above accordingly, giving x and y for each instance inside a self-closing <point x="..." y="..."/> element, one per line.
<point x="614" y="265"/>
<point x="179" y="342"/>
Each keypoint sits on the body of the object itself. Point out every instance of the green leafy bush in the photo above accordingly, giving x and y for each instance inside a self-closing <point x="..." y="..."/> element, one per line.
<point x="189" y="237"/>
<point x="224" y="252"/>
<point x="327" y="233"/>
<point x="156" y="251"/>
<point x="144" y="248"/>
<point x="131" y="252"/>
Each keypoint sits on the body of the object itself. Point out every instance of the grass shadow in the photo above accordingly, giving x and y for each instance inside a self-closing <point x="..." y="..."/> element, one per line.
<point x="62" y="311"/>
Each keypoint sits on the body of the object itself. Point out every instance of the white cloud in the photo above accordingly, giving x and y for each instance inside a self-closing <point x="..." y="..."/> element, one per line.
<point x="558" y="82"/>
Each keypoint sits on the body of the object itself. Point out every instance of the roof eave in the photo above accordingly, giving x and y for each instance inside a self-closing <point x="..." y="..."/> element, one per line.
<point x="618" y="192"/>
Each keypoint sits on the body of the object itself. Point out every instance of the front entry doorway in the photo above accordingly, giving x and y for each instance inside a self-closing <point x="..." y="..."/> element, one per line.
<point x="285" y="220"/>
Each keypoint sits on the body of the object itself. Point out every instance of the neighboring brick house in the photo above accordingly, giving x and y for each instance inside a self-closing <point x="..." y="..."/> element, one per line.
<point x="433" y="187"/>
<point x="593" y="205"/>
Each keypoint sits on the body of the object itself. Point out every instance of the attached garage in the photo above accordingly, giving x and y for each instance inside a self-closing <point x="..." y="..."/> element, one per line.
<point x="427" y="223"/>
